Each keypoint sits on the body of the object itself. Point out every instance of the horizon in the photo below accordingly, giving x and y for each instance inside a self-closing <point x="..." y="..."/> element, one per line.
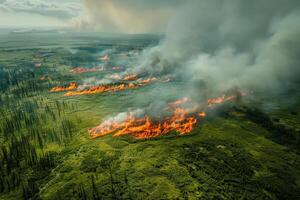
<point x="108" y="16"/>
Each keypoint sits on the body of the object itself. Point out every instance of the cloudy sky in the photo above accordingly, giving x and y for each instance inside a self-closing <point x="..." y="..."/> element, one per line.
<point x="130" y="16"/>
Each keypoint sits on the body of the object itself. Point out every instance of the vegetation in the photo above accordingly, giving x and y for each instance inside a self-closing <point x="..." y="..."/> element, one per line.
<point x="46" y="153"/>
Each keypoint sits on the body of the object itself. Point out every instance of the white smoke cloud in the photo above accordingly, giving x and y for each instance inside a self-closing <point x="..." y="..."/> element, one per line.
<point x="127" y="16"/>
<point x="223" y="44"/>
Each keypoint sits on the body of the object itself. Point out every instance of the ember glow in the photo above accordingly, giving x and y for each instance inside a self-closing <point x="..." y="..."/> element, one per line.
<point x="102" y="89"/>
<point x="71" y="86"/>
<point x="115" y="76"/>
<point x="148" y="80"/>
<point x="213" y="101"/>
<point x="142" y="128"/>
<point x="178" y="102"/>
<point x="202" y="114"/>
<point x="79" y="70"/>
<point x="130" y="77"/>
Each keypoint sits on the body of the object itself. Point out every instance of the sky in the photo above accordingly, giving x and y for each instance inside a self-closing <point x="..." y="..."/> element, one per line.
<point x="126" y="16"/>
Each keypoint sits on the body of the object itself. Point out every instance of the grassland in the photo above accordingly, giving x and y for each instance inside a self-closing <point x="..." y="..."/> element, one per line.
<point x="46" y="152"/>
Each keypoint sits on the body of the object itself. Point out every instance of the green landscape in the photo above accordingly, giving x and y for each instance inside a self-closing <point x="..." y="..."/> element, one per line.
<point x="240" y="150"/>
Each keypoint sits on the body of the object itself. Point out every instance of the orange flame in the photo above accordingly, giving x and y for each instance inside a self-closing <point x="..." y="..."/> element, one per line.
<point x="115" y="76"/>
<point x="202" y="114"/>
<point x="148" y="80"/>
<point x="71" y="86"/>
<point x="219" y="100"/>
<point x="223" y="99"/>
<point x="143" y="128"/>
<point x="79" y="70"/>
<point x="178" y="102"/>
<point x="102" y="88"/>
<point x="130" y="77"/>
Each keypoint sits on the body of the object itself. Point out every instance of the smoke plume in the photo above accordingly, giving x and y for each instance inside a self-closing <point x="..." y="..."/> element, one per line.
<point x="218" y="45"/>
<point x="126" y="16"/>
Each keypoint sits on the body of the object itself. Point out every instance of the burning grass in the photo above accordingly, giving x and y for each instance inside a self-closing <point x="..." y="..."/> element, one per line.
<point x="141" y="128"/>
<point x="130" y="77"/>
<point x="71" y="86"/>
<point x="182" y="121"/>
<point x="222" y="99"/>
<point x="102" y="89"/>
<point x="148" y="80"/>
<point x="80" y="70"/>
<point x="178" y="102"/>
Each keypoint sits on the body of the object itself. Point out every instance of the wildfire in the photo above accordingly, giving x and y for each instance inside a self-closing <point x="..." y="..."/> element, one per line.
<point x="148" y="80"/>
<point x="71" y="86"/>
<point x="202" y="114"/>
<point x="102" y="88"/>
<point x="130" y="77"/>
<point x="142" y="128"/>
<point x="115" y="76"/>
<point x="178" y="102"/>
<point x="79" y="70"/>
<point x="218" y="100"/>
<point x="224" y="98"/>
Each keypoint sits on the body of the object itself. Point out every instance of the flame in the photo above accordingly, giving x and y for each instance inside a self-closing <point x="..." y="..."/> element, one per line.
<point x="102" y="88"/>
<point x="219" y="100"/>
<point x="178" y="102"/>
<point x="115" y="76"/>
<point x="130" y="77"/>
<point x="79" y="70"/>
<point x="223" y="99"/>
<point x="202" y="114"/>
<point x="142" y="128"/>
<point x="148" y="80"/>
<point x="105" y="57"/>
<point x="71" y="86"/>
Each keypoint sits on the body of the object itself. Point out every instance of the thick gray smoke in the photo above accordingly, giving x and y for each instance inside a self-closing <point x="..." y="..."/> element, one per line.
<point x="221" y="44"/>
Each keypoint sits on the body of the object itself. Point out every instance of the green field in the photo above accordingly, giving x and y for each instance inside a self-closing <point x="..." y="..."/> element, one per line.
<point x="243" y="152"/>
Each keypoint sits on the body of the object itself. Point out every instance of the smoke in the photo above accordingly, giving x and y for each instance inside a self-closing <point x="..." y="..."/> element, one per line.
<point x="120" y="117"/>
<point x="217" y="45"/>
<point x="126" y="16"/>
